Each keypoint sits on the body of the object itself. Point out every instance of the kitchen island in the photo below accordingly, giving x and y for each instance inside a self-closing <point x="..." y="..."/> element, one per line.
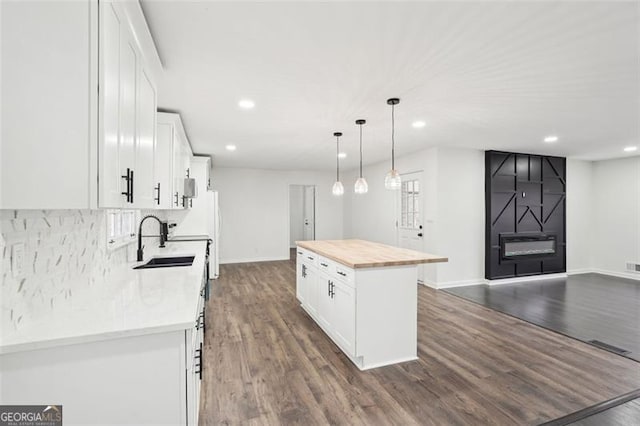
<point x="364" y="296"/>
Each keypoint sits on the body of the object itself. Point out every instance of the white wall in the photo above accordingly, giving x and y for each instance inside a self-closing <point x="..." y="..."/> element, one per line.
<point x="254" y="208"/>
<point x="616" y="212"/>
<point x="296" y="214"/>
<point x="453" y="206"/>
<point x="579" y="215"/>
<point x="461" y="211"/>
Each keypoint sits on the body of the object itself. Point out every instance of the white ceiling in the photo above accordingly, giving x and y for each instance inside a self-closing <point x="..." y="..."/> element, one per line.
<point x="484" y="75"/>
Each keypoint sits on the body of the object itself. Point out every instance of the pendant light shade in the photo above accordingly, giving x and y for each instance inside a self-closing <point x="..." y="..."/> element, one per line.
<point x="337" y="189"/>
<point x="392" y="180"/>
<point x="361" y="186"/>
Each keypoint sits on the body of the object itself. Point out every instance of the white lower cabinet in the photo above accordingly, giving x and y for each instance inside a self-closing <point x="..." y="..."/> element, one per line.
<point x="343" y="314"/>
<point x="150" y="379"/>
<point x="369" y="313"/>
<point x="328" y="300"/>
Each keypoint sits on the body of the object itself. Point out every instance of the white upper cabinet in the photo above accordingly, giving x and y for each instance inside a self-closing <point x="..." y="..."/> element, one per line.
<point x="79" y="99"/>
<point x="163" y="163"/>
<point x="173" y="161"/>
<point x="126" y="174"/>
<point x="145" y="192"/>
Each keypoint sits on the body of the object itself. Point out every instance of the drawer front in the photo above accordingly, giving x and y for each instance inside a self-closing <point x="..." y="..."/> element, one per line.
<point x="344" y="274"/>
<point x="325" y="265"/>
<point x="300" y="254"/>
<point x="310" y="257"/>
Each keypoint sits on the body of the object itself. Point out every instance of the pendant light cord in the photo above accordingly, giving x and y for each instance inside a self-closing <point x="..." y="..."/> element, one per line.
<point x="337" y="158"/>
<point x="361" y="151"/>
<point x="393" y="140"/>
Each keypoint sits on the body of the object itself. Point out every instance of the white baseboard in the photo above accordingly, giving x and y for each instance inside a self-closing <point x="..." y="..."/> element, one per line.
<point x="525" y="279"/>
<point x="451" y="284"/>
<point x="254" y="259"/>
<point x="580" y="271"/>
<point x="627" y="275"/>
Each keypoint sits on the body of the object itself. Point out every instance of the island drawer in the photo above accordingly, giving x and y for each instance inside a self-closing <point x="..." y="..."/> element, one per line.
<point x="343" y="273"/>
<point x="325" y="264"/>
<point x="309" y="257"/>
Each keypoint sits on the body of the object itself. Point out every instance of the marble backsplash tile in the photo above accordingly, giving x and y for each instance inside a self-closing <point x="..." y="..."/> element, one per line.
<point x="64" y="251"/>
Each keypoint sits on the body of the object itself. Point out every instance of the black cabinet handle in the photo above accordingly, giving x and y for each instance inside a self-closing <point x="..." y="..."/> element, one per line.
<point x="329" y="288"/>
<point x="132" y="180"/>
<point x="419" y="234"/>
<point x="342" y="273"/>
<point x="190" y="202"/>
<point x="331" y="292"/>
<point x="323" y="264"/>
<point x="304" y="271"/>
<point x="199" y="364"/>
<point x="309" y="257"/>
<point x="158" y="189"/>
<point x="129" y="179"/>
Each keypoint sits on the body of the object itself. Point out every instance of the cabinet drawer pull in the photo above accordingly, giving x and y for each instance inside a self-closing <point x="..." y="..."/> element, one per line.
<point x="323" y="264"/>
<point x="299" y="252"/>
<point x="309" y="257"/>
<point x="304" y="271"/>
<point x="342" y="273"/>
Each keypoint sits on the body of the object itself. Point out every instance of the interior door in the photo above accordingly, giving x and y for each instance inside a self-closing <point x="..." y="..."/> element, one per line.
<point x="410" y="215"/>
<point x="309" y="213"/>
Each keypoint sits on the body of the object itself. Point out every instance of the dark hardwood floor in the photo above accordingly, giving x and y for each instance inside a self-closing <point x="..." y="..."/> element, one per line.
<point x="267" y="362"/>
<point x="623" y="415"/>
<point x="586" y="307"/>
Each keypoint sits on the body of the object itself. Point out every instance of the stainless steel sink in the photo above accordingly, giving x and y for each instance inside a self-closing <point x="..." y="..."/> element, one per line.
<point x="167" y="262"/>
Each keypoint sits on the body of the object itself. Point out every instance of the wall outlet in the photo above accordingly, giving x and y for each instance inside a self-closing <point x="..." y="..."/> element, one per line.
<point x="17" y="259"/>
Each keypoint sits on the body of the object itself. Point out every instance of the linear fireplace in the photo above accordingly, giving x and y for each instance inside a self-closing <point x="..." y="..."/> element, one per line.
<point x="527" y="246"/>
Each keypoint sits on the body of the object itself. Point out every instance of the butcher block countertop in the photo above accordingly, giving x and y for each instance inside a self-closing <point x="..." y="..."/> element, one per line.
<point x="366" y="254"/>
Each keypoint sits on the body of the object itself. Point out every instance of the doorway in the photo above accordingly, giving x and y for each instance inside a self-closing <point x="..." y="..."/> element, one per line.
<point x="410" y="216"/>
<point x="302" y="214"/>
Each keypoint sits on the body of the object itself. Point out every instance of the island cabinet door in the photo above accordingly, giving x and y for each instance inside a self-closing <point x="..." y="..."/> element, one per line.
<point x="325" y="307"/>
<point x="311" y="290"/>
<point x="301" y="281"/>
<point x="343" y="316"/>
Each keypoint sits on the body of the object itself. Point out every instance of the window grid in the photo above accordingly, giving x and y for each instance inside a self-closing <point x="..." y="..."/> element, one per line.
<point x="121" y="227"/>
<point x="410" y="204"/>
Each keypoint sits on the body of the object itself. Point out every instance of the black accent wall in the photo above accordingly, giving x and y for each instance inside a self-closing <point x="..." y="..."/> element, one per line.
<point x="525" y="195"/>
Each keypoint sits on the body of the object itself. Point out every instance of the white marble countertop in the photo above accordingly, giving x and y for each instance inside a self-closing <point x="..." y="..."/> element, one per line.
<point x="125" y="303"/>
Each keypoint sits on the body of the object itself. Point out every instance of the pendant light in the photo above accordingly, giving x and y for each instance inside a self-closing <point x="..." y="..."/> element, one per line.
<point x="393" y="180"/>
<point x="361" y="186"/>
<point x="337" y="189"/>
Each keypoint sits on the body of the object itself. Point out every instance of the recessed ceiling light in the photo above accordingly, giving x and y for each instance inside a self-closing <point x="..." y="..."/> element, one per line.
<point x="631" y="149"/>
<point x="246" y="104"/>
<point x="551" y="139"/>
<point x="342" y="155"/>
<point x="418" y="124"/>
<point x="230" y="147"/>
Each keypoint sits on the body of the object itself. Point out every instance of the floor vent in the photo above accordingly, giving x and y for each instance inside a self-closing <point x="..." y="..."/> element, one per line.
<point x="633" y="267"/>
<point x="609" y="348"/>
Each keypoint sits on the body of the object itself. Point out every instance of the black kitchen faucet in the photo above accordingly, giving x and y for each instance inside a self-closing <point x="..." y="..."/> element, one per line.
<point x="164" y="231"/>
